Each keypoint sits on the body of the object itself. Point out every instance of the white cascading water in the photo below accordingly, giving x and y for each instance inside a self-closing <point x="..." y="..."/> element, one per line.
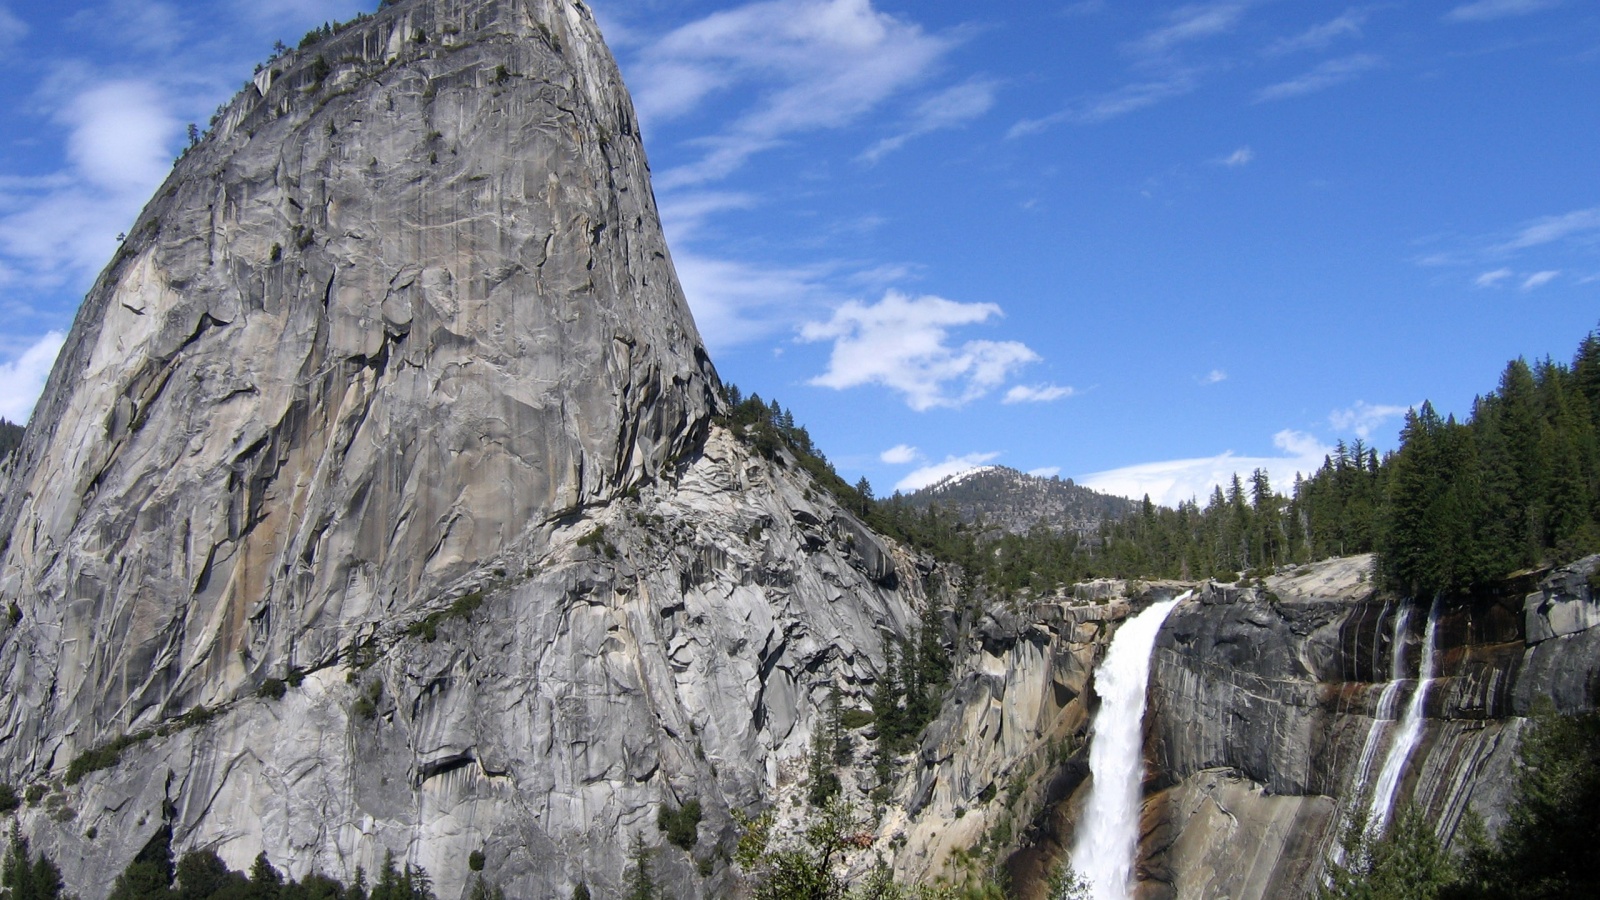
<point x="1394" y="765"/>
<point x="1386" y="701"/>
<point x="1109" y="834"/>
<point x="1383" y="715"/>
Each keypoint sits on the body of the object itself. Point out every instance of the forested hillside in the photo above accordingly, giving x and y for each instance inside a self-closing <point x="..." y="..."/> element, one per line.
<point x="1458" y="505"/>
<point x="1004" y="499"/>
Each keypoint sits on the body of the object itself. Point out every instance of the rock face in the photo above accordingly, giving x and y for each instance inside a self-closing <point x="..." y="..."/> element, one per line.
<point x="1265" y="730"/>
<point x="375" y="502"/>
<point x="1266" y="701"/>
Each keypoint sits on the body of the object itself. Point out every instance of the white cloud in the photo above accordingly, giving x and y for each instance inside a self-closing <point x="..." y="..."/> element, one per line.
<point x="1488" y="10"/>
<point x="1045" y="472"/>
<point x="950" y="108"/>
<point x="1189" y="23"/>
<point x="1215" y="376"/>
<point x="1324" y="76"/>
<point x="1240" y="157"/>
<point x="1171" y="482"/>
<point x="22" y="379"/>
<point x="1038" y="393"/>
<point x="1555" y="228"/>
<point x="815" y="64"/>
<point x="1363" y="418"/>
<point x="1540" y="279"/>
<point x="900" y="455"/>
<point x="952" y="465"/>
<point x="1318" y="37"/>
<point x="1104" y="107"/>
<point x="118" y="151"/>
<point x="12" y="29"/>
<point x="1490" y="279"/>
<point x="900" y="343"/>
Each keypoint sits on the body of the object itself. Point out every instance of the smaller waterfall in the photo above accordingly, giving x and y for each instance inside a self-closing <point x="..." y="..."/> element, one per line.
<point x="1387" y="701"/>
<point x="1394" y="765"/>
<point x="1381" y="717"/>
<point x="1108" y="836"/>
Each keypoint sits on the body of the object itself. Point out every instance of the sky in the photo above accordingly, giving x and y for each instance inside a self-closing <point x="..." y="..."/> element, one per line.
<point x="1140" y="245"/>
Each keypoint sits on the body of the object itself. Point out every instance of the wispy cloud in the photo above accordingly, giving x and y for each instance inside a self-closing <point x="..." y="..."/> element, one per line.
<point x="1174" y="481"/>
<point x="952" y="465"/>
<point x="1540" y="279"/>
<point x="1489" y="10"/>
<point x="1326" y="75"/>
<point x="814" y="64"/>
<point x="900" y="455"/>
<point x="1215" y="376"/>
<point x="684" y="214"/>
<point x="147" y="25"/>
<point x="1319" y="37"/>
<point x="1364" y="418"/>
<point x="12" y="29"/>
<point x="1490" y="279"/>
<point x="735" y="302"/>
<point x="1045" y="472"/>
<point x="1099" y="108"/>
<point x="1038" y="393"/>
<point x="1240" y="157"/>
<point x="1550" y="229"/>
<point x="902" y="343"/>
<point x="1187" y="24"/>
<point x="22" y="378"/>
<point x="950" y="108"/>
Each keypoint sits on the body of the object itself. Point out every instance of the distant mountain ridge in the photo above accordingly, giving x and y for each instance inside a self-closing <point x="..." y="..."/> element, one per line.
<point x="1015" y="501"/>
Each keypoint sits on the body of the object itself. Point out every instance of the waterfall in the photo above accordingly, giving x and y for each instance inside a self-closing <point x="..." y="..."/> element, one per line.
<point x="1380" y="717"/>
<point x="1108" y="836"/>
<point x="1386" y="702"/>
<point x="1394" y="765"/>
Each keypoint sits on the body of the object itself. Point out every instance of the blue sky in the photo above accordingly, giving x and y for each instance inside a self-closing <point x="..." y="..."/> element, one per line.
<point x="1143" y="245"/>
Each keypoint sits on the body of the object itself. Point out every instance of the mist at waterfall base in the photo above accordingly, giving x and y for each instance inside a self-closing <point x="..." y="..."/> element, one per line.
<point x="1108" y="835"/>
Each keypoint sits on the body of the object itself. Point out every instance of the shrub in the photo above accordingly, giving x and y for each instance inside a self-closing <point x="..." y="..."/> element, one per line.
<point x="9" y="800"/>
<point x="852" y="719"/>
<point x="475" y="861"/>
<point x="681" y="825"/>
<point x="102" y="757"/>
<point x="366" y="706"/>
<point x="463" y="608"/>
<point x="272" y="689"/>
<point x="197" y="716"/>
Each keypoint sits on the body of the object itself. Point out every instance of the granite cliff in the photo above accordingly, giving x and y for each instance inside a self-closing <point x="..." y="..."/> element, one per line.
<point x="376" y="501"/>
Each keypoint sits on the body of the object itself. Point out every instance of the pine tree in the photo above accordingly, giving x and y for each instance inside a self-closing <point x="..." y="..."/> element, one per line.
<point x="25" y="877"/>
<point x="149" y="876"/>
<point x="638" y="883"/>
